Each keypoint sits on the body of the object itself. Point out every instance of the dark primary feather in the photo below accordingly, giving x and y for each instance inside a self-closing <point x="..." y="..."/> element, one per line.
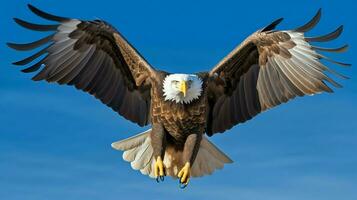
<point x="272" y="25"/>
<point x="95" y="58"/>
<point x="328" y="37"/>
<point x="47" y="15"/>
<point x="36" y="27"/>
<point x="311" y="24"/>
<point x="267" y="69"/>
<point x="337" y="50"/>
<point x="31" y="58"/>
<point x="31" y="45"/>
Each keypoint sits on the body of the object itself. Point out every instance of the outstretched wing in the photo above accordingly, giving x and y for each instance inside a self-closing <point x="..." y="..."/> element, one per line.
<point x="95" y="58"/>
<point x="270" y="67"/>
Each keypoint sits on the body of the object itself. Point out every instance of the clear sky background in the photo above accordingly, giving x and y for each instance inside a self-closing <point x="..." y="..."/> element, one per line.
<point x="55" y="141"/>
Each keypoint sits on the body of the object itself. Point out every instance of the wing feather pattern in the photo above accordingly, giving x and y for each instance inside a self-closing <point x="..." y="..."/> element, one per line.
<point x="269" y="68"/>
<point x="95" y="58"/>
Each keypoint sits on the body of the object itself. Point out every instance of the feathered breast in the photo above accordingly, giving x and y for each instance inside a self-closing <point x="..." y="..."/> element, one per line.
<point x="179" y="120"/>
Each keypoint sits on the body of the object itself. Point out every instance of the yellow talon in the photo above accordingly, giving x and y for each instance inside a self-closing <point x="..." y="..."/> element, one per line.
<point x="185" y="173"/>
<point x="159" y="167"/>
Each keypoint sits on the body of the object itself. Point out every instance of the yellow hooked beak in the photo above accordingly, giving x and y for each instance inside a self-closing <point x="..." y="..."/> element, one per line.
<point x="183" y="88"/>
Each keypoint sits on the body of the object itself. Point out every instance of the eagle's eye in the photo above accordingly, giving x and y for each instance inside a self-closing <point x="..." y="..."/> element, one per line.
<point x="189" y="83"/>
<point x="175" y="84"/>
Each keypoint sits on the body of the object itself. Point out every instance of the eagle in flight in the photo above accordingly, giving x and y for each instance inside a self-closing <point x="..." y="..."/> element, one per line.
<point x="268" y="68"/>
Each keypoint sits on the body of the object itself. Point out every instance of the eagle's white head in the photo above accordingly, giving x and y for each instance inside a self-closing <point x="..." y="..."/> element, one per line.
<point x="182" y="88"/>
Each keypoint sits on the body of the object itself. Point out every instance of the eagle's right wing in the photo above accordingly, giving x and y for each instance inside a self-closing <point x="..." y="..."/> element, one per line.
<point x="95" y="58"/>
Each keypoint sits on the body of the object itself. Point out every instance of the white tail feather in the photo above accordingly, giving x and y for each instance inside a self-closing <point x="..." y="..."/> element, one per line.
<point x="139" y="152"/>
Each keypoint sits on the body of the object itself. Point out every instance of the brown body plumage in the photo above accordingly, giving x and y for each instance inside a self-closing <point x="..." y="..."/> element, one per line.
<point x="179" y="120"/>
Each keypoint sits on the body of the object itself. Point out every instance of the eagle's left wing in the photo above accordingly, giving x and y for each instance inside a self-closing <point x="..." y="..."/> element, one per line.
<point x="270" y="67"/>
<point x="95" y="58"/>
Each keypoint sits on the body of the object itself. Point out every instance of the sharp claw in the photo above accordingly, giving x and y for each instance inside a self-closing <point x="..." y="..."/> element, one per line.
<point x="182" y="185"/>
<point x="159" y="170"/>
<point x="160" y="179"/>
<point x="184" y="176"/>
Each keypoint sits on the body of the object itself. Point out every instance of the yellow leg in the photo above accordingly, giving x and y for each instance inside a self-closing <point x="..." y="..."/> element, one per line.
<point x="184" y="174"/>
<point x="159" y="169"/>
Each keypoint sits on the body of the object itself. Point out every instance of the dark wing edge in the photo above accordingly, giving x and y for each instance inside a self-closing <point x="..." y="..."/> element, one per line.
<point x="93" y="57"/>
<point x="269" y="68"/>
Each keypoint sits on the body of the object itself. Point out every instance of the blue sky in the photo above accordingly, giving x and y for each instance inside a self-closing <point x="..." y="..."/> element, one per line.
<point x="55" y="141"/>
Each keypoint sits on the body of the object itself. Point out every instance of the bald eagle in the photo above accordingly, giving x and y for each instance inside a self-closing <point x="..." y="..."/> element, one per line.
<point x="270" y="67"/>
